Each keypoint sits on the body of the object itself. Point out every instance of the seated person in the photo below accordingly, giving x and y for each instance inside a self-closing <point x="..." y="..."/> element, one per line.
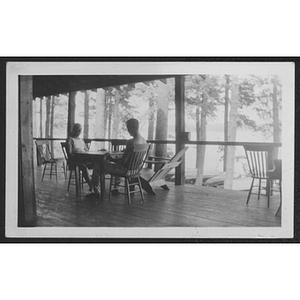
<point x="75" y="144"/>
<point x="118" y="165"/>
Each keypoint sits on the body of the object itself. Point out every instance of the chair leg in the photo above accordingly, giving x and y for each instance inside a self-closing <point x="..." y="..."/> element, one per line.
<point x="50" y="170"/>
<point x="102" y="185"/>
<point x="110" y="185"/>
<point x="127" y="190"/>
<point x="69" y="179"/>
<point x="269" y="186"/>
<point x="259" y="188"/>
<point x="81" y="179"/>
<point x="66" y="169"/>
<point x="280" y="189"/>
<point x="250" y="191"/>
<point x="44" y="171"/>
<point x="279" y="208"/>
<point x="77" y="182"/>
<point x="56" y="171"/>
<point x="63" y="166"/>
<point x="141" y="191"/>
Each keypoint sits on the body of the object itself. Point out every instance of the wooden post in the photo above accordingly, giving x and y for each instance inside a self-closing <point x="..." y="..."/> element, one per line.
<point x="71" y="112"/>
<point x="41" y="117"/>
<point x="161" y="132"/>
<point x="180" y="126"/>
<point x="100" y="124"/>
<point x="86" y="114"/>
<point x="48" y="116"/>
<point x="227" y="86"/>
<point x="26" y="200"/>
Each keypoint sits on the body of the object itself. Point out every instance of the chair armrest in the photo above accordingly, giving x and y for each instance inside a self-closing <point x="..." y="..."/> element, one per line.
<point x="155" y="160"/>
<point x="158" y="158"/>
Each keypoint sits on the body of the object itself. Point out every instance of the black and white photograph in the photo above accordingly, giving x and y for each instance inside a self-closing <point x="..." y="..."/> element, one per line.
<point x="150" y="149"/>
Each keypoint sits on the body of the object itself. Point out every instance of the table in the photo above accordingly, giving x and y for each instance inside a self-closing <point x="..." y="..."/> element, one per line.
<point x="93" y="157"/>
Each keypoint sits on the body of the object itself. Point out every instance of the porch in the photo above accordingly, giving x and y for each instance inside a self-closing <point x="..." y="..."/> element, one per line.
<point x="182" y="206"/>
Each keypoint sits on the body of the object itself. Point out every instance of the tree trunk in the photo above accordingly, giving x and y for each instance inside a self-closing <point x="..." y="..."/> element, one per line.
<point x="201" y="148"/>
<point x="100" y="127"/>
<point x="276" y="135"/>
<point x="47" y="125"/>
<point x="86" y="114"/>
<point x="232" y="129"/>
<point x="198" y="133"/>
<point x="109" y="116"/>
<point x="116" y="119"/>
<point x="52" y="121"/>
<point x="227" y="83"/>
<point x="41" y="117"/>
<point x="161" y="132"/>
<point x="151" y="120"/>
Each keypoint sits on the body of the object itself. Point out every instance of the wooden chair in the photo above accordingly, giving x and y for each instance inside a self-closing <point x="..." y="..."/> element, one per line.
<point x="131" y="177"/>
<point x="118" y="146"/>
<point x="71" y="167"/>
<point x="275" y="174"/>
<point x="260" y="160"/>
<point x="151" y="179"/>
<point x="43" y="148"/>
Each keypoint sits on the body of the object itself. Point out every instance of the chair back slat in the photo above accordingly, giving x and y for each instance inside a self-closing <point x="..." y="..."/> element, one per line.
<point x="259" y="159"/>
<point x="137" y="158"/>
<point x="264" y="160"/>
<point x="70" y="163"/>
<point x="64" y="150"/>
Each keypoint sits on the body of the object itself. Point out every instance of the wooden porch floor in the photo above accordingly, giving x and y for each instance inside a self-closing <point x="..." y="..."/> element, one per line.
<point x="182" y="206"/>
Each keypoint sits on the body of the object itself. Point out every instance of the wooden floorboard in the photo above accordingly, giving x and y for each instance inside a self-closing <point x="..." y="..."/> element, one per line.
<point x="181" y="206"/>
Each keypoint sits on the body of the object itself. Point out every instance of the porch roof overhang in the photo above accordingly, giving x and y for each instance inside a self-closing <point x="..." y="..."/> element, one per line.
<point x="46" y="85"/>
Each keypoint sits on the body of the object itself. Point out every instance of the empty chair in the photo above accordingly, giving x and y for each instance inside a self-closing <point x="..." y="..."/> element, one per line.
<point x="260" y="160"/>
<point x="131" y="176"/>
<point x="50" y="163"/>
<point x="151" y="179"/>
<point x="275" y="174"/>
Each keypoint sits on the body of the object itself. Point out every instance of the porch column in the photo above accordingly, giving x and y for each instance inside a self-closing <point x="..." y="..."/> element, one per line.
<point x="26" y="199"/>
<point x="71" y="112"/>
<point x="180" y="126"/>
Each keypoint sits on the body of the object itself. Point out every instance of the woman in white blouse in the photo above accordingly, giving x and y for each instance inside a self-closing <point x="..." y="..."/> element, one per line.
<point x="75" y="144"/>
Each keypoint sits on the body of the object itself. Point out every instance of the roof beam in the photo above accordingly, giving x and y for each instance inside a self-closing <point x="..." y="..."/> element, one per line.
<point x="46" y="85"/>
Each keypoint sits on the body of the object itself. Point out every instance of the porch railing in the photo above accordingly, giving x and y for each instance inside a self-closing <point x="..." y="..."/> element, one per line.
<point x="167" y="142"/>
